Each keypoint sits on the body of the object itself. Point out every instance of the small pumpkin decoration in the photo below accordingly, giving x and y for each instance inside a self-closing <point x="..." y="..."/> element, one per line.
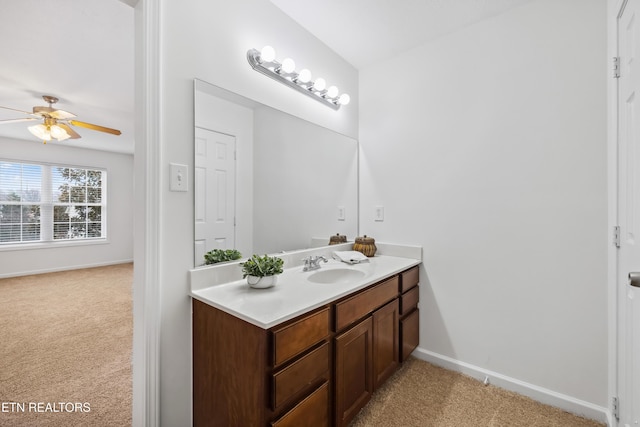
<point x="365" y="245"/>
<point x="337" y="239"/>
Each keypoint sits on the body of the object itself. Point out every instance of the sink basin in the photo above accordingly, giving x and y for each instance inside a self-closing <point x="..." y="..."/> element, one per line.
<point x="336" y="275"/>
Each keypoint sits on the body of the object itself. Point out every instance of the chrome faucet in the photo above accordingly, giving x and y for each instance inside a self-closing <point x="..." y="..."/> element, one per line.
<point x="313" y="262"/>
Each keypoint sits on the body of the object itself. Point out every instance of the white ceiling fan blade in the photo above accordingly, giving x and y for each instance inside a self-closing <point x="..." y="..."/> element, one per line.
<point x="26" y="119"/>
<point x="21" y="111"/>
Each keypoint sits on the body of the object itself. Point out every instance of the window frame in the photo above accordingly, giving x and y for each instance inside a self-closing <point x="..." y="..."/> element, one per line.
<point x="48" y="202"/>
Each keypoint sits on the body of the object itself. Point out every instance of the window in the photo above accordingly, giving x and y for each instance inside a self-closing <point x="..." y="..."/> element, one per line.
<point x="44" y="203"/>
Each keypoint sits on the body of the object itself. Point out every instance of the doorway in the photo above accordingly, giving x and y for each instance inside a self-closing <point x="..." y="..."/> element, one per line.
<point x="214" y="176"/>
<point x="627" y="404"/>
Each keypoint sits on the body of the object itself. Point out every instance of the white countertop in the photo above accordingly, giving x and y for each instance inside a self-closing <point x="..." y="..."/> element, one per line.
<point x="294" y="294"/>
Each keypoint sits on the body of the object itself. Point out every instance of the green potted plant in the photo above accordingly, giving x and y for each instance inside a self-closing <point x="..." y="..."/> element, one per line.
<point x="221" y="255"/>
<point x="262" y="271"/>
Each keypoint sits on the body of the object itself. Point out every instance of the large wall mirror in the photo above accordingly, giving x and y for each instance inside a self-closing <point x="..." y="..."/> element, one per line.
<point x="266" y="181"/>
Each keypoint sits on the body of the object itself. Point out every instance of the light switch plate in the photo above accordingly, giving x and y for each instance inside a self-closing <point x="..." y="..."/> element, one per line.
<point x="341" y="213"/>
<point x="379" y="213"/>
<point x="179" y="177"/>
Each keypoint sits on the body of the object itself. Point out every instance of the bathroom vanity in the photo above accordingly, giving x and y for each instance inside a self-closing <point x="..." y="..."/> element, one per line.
<point x="310" y="351"/>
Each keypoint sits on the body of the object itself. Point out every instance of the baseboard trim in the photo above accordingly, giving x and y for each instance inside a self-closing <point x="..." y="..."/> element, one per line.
<point x="65" y="268"/>
<point x="540" y="394"/>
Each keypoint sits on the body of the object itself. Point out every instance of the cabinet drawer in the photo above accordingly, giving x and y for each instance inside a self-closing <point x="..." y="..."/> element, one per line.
<point x="409" y="300"/>
<point x="409" y="278"/>
<point x="311" y="412"/>
<point x="356" y="307"/>
<point x="300" y="376"/>
<point x="300" y="335"/>
<point x="409" y="334"/>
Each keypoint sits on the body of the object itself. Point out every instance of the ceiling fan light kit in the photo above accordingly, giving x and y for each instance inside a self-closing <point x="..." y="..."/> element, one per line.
<point x="55" y="123"/>
<point x="46" y="132"/>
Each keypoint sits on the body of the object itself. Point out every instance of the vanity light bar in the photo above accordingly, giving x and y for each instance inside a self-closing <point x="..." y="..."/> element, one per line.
<point x="285" y="72"/>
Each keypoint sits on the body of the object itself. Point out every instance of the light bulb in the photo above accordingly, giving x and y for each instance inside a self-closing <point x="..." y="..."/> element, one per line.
<point x="288" y="66"/>
<point x="304" y="76"/>
<point x="344" y="99"/>
<point x="319" y="84"/>
<point x="332" y="92"/>
<point x="267" y="54"/>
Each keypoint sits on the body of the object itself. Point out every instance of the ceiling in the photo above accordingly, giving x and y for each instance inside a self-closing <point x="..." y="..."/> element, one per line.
<point x="366" y="31"/>
<point x="82" y="51"/>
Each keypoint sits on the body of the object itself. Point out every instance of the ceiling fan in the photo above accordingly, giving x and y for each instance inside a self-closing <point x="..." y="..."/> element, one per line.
<point x="55" y="123"/>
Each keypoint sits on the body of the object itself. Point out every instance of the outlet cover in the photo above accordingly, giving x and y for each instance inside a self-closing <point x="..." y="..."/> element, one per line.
<point x="379" y="213"/>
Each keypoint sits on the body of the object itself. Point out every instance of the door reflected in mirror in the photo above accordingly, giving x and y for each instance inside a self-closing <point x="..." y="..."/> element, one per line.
<point x="266" y="181"/>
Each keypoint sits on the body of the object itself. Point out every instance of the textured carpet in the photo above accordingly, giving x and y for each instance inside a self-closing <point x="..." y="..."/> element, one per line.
<point x="65" y="357"/>
<point x="423" y="395"/>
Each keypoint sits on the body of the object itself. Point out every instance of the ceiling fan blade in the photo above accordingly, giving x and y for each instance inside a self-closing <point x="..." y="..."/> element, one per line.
<point x="62" y="115"/>
<point x="94" y="127"/>
<point x="72" y="133"/>
<point x="28" y="113"/>
<point x="26" y="119"/>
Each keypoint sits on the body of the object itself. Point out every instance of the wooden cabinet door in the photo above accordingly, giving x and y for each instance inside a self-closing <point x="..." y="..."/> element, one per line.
<point x="385" y="342"/>
<point x="353" y="368"/>
<point x="410" y="331"/>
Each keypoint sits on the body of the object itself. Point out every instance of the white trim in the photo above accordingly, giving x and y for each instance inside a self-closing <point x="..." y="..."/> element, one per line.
<point x="53" y="244"/>
<point x="66" y="268"/>
<point x="43" y="162"/>
<point x="614" y="10"/>
<point x="147" y="233"/>
<point x="540" y="394"/>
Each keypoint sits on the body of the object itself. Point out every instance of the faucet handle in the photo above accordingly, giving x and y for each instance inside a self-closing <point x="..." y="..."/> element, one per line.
<point x="314" y="259"/>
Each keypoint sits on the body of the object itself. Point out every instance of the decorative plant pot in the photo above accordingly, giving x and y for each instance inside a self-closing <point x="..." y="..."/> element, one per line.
<point x="262" y="282"/>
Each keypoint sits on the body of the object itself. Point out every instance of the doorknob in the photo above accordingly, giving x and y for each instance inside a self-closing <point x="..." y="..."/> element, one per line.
<point x="634" y="279"/>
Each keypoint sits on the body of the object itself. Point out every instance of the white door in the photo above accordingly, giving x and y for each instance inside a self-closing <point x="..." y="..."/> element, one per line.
<point x="215" y="200"/>
<point x="629" y="214"/>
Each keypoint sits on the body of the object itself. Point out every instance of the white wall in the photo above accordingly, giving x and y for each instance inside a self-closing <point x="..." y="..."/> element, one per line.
<point x="493" y="158"/>
<point x="119" y="245"/>
<point x="302" y="173"/>
<point x="207" y="40"/>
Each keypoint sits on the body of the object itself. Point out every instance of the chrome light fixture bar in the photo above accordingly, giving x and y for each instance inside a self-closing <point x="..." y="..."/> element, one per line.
<point x="264" y="62"/>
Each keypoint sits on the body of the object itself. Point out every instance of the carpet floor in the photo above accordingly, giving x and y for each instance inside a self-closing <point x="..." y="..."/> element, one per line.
<point x="420" y="394"/>
<point x="65" y="358"/>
